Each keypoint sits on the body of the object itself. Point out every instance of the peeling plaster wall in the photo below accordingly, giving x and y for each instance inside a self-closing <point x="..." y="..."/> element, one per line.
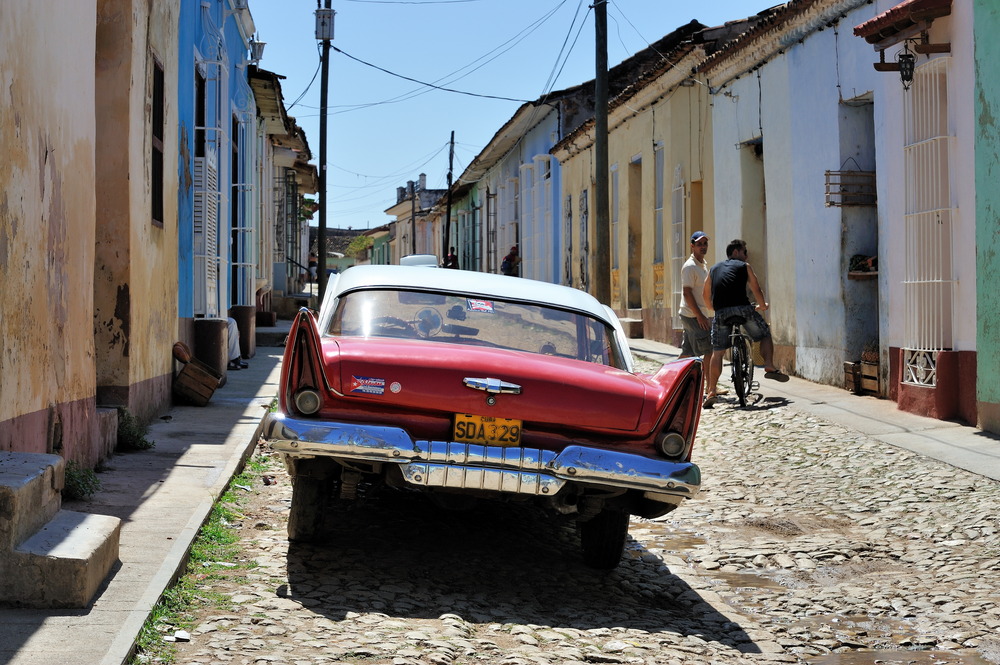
<point x="680" y="120"/>
<point x="47" y="221"/>
<point x="135" y="296"/>
<point x="792" y="105"/>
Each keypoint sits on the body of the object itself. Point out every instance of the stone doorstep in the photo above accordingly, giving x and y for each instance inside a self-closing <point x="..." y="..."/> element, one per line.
<point x="271" y="338"/>
<point x="49" y="557"/>
<point x="30" y="494"/>
<point x="66" y="562"/>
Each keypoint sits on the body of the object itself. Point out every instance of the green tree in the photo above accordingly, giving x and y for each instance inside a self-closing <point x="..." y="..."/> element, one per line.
<point x="359" y="246"/>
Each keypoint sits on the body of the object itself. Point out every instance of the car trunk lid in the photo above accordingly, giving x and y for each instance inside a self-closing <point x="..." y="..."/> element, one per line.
<point x="437" y="378"/>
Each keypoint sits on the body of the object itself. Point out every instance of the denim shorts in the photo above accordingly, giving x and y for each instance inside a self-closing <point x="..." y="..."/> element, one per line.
<point x="755" y="326"/>
<point x="698" y="338"/>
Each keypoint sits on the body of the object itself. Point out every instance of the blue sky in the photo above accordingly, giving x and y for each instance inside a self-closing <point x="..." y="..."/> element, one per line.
<point x="384" y="130"/>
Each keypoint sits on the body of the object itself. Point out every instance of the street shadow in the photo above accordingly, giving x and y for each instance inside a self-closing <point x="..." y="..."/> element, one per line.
<point x="755" y="402"/>
<point x="498" y="563"/>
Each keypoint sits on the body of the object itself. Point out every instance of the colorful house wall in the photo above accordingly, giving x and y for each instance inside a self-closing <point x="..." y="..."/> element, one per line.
<point x="986" y="25"/>
<point x="135" y="304"/>
<point x="217" y="120"/>
<point x="792" y="101"/>
<point x="927" y="202"/>
<point x="660" y="185"/>
<point x="47" y="228"/>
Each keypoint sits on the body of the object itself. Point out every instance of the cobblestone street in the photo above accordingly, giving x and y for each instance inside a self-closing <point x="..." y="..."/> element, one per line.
<point x="808" y="543"/>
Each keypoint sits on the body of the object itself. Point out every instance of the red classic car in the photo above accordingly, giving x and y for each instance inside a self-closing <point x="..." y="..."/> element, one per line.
<point x="469" y="385"/>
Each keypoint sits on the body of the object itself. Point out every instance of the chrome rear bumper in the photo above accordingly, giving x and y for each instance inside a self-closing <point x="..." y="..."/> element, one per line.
<point x="489" y="468"/>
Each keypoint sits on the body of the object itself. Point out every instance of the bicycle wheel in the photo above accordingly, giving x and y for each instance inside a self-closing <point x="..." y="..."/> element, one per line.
<point x="739" y="360"/>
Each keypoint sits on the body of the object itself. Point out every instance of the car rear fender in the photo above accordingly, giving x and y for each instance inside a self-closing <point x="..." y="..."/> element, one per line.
<point x="302" y="365"/>
<point x="681" y="400"/>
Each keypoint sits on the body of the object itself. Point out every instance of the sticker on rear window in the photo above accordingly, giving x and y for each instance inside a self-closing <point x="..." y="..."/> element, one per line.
<point x="368" y="385"/>
<point x="480" y="306"/>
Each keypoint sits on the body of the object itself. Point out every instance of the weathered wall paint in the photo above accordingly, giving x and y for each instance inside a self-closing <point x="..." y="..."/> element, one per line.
<point x="47" y="222"/>
<point x="678" y="117"/>
<point x="792" y="104"/>
<point x="135" y="295"/>
<point x="987" y="231"/>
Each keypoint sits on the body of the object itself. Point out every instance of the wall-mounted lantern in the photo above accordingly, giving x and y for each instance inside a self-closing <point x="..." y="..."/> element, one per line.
<point x="256" y="50"/>
<point x="907" y="63"/>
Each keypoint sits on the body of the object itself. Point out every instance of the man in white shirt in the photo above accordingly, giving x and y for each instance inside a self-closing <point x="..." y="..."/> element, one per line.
<point x="696" y="315"/>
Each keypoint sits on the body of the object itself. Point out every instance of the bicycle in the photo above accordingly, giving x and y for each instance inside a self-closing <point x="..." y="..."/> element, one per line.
<point x="741" y="357"/>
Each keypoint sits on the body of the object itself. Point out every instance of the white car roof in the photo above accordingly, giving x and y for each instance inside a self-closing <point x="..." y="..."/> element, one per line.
<point x="426" y="260"/>
<point x="470" y="282"/>
<point x="465" y="282"/>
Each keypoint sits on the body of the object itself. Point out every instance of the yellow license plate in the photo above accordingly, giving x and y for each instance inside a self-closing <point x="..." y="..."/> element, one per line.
<point x="487" y="430"/>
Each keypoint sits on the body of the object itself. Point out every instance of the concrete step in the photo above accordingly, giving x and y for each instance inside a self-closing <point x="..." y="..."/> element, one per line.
<point x="66" y="562"/>
<point x="274" y="337"/>
<point x="49" y="557"/>
<point x="30" y="494"/>
<point x="633" y="327"/>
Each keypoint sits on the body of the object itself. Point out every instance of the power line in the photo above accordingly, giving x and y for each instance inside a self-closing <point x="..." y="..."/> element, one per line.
<point x="319" y="65"/>
<point x="424" y="83"/>
<point x="410" y="2"/>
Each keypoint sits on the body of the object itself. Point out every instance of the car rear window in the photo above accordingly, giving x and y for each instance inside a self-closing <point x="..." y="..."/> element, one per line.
<point x="461" y="319"/>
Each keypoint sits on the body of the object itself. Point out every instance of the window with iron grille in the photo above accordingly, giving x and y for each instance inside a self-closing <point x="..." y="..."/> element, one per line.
<point x="930" y="214"/>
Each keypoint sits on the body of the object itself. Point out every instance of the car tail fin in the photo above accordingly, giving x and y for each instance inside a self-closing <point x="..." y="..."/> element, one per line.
<point x="302" y="363"/>
<point x="684" y="408"/>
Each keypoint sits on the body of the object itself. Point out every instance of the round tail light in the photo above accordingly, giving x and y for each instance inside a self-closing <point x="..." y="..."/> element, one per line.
<point x="307" y="401"/>
<point x="671" y="444"/>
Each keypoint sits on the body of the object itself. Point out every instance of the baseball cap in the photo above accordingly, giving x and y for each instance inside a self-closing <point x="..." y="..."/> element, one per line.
<point x="698" y="235"/>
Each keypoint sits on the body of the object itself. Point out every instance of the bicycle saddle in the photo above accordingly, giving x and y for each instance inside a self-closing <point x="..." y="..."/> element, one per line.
<point x="736" y="320"/>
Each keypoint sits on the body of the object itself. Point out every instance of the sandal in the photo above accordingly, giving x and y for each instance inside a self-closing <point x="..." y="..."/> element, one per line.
<point x="710" y="401"/>
<point x="776" y="375"/>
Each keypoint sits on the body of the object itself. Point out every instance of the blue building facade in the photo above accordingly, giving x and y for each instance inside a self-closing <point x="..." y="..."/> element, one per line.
<point x="217" y="145"/>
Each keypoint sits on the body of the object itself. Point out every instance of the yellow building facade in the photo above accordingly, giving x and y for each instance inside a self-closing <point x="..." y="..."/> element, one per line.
<point x="86" y="268"/>
<point x="660" y="191"/>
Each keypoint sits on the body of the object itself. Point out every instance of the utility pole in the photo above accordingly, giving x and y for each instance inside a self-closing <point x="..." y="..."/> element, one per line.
<point x="447" y="214"/>
<point x="602" y="240"/>
<point x="324" y="33"/>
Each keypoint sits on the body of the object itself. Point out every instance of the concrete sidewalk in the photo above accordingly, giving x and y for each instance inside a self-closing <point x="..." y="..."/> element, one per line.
<point x="164" y="495"/>
<point x="961" y="446"/>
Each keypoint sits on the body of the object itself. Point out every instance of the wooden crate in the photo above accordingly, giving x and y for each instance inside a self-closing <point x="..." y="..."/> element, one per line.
<point x="852" y="376"/>
<point x="869" y="377"/>
<point x="196" y="382"/>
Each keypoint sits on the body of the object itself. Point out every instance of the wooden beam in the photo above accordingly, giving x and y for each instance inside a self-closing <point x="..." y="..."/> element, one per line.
<point x="886" y="66"/>
<point x="932" y="48"/>
<point x="908" y="33"/>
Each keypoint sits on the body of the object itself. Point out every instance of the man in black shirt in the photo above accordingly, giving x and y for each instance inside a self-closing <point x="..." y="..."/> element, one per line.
<point x="726" y="288"/>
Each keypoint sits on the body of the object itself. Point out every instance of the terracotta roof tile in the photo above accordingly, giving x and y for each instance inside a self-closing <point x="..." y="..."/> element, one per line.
<point x="901" y="17"/>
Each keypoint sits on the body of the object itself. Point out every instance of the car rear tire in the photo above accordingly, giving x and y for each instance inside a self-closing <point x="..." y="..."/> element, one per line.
<point x="603" y="538"/>
<point x="305" y="518"/>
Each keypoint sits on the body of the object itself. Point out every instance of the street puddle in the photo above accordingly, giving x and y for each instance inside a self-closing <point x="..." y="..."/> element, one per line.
<point x="742" y="580"/>
<point x="900" y="658"/>
<point x="845" y="627"/>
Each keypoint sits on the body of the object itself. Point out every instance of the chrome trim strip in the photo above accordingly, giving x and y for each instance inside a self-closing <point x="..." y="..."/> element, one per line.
<point x="492" y="468"/>
<point x="491" y="385"/>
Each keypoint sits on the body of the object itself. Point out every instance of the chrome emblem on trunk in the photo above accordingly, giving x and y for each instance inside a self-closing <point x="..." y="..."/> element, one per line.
<point x="492" y="385"/>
